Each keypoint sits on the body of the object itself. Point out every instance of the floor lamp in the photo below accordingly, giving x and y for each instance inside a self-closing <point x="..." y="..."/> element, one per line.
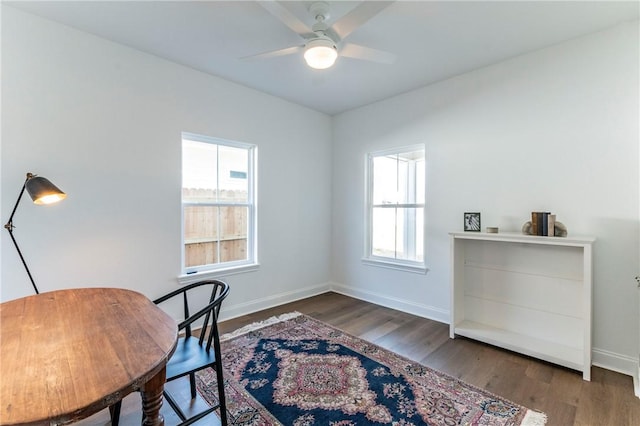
<point x="42" y="191"/>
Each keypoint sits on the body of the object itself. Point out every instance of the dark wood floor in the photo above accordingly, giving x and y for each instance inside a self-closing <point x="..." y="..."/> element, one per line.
<point x="607" y="400"/>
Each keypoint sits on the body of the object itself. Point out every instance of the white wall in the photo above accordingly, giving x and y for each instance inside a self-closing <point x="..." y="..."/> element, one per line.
<point x="555" y="130"/>
<point x="103" y="122"/>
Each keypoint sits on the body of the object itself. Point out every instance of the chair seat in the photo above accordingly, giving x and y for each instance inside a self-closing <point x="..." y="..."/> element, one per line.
<point x="189" y="357"/>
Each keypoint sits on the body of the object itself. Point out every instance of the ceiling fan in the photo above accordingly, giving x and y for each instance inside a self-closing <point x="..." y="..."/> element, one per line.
<point x="322" y="43"/>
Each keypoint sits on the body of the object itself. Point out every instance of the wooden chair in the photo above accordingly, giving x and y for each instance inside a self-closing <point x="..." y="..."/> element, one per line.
<point x="194" y="353"/>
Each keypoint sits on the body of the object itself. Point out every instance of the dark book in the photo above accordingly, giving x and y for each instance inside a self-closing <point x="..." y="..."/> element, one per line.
<point x="545" y="223"/>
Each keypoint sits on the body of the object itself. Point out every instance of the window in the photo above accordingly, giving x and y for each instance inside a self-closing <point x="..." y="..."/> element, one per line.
<point x="395" y="208"/>
<point x="218" y="206"/>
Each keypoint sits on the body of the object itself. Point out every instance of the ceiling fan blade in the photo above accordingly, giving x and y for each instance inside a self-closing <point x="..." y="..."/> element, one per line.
<point x="287" y="18"/>
<point x="275" y="53"/>
<point x="350" y="50"/>
<point x="358" y="16"/>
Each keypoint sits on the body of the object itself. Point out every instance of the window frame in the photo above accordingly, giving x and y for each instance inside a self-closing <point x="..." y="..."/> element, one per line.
<point x="371" y="259"/>
<point x="195" y="273"/>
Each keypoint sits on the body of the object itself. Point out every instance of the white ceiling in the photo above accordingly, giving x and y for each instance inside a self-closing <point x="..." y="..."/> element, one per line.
<point x="432" y="40"/>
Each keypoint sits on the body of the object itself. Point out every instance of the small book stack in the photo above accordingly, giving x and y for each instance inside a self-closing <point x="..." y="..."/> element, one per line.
<point x="543" y="224"/>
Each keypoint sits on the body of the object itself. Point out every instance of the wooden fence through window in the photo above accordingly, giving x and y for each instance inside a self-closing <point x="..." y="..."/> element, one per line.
<point x="209" y="228"/>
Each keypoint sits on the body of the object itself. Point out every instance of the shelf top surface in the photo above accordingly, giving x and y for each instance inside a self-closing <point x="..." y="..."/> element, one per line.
<point x="522" y="238"/>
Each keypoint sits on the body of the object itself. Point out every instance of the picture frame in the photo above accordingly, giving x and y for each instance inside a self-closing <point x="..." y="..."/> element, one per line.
<point x="472" y="222"/>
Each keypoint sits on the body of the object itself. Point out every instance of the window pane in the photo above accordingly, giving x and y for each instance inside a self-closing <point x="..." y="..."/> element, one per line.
<point x="409" y="180"/>
<point x="398" y="178"/>
<point x="200" y="223"/>
<point x="405" y="186"/>
<point x="203" y="224"/>
<point x="200" y="235"/>
<point x="398" y="233"/>
<point x="234" y="170"/>
<point x="410" y="233"/>
<point x="234" y="228"/>
<point x="199" y="171"/>
<point x="384" y="234"/>
<point x="385" y="182"/>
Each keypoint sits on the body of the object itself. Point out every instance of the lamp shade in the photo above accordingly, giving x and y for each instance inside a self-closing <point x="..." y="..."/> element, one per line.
<point x="42" y="191"/>
<point x="320" y="53"/>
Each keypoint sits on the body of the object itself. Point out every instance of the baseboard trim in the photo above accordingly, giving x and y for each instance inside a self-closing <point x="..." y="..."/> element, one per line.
<point x="233" y="311"/>
<point x="636" y="381"/>
<point x="410" y="307"/>
<point x="619" y="363"/>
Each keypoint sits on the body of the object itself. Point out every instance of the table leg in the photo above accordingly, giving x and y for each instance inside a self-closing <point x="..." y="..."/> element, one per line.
<point x="151" y="395"/>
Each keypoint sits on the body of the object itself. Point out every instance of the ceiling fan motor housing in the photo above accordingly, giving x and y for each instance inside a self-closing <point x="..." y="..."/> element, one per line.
<point x="319" y="10"/>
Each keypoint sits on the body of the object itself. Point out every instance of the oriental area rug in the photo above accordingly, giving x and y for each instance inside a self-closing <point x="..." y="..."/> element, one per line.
<point x="295" y="370"/>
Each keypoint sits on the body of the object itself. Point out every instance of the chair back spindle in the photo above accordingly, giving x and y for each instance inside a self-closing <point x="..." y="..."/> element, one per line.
<point x="185" y="301"/>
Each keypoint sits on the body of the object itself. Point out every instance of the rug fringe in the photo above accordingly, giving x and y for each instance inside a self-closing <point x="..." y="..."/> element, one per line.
<point x="261" y="324"/>
<point x="534" y="418"/>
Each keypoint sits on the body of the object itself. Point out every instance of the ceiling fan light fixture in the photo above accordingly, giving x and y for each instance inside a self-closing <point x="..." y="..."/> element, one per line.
<point x="320" y="53"/>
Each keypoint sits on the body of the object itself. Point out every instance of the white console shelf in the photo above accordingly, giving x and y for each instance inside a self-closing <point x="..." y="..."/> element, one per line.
<point x="524" y="293"/>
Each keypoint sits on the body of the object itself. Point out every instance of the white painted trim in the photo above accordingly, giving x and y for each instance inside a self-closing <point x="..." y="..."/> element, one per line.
<point x="250" y="204"/>
<point x="369" y="258"/>
<point x="619" y="363"/>
<point x="216" y="273"/>
<point x="408" y="306"/>
<point x="416" y="268"/>
<point x="636" y="381"/>
<point x="233" y="311"/>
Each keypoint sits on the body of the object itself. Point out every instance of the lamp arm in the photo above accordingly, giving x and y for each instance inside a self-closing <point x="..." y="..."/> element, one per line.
<point x="9" y="227"/>
<point x="22" y="258"/>
<point x="9" y="224"/>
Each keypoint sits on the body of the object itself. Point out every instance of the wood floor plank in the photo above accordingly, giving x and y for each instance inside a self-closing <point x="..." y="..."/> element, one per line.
<point x="607" y="400"/>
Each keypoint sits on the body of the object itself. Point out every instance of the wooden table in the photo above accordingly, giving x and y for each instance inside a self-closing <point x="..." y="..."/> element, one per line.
<point x="67" y="354"/>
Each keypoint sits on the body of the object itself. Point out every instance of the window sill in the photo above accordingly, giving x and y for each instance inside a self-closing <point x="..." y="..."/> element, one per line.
<point x="398" y="266"/>
<point x="217" y="273"/>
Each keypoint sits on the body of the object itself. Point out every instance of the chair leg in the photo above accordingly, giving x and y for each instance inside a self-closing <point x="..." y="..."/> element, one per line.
<point x="187" y="421"/>
<point x="192" y="382"/>
<point x="199" y="416"/>
<point x="221" y="397"/>
<point x="114" y="413"/>
<point x="174" y="405"/>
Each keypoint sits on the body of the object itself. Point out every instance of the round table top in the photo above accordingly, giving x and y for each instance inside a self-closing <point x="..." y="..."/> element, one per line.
<point x="67" y="354"/>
